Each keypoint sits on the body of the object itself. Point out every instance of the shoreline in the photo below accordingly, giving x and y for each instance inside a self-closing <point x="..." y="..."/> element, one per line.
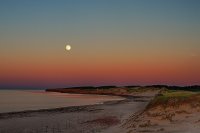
<point x="25" y="113"/>
<point x="34" y="101"/>
<point x="106" y="117"/>
<point x="88" y="118"/>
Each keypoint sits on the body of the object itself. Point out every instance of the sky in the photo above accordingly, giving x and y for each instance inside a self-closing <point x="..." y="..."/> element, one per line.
<point x="114" y="42"/>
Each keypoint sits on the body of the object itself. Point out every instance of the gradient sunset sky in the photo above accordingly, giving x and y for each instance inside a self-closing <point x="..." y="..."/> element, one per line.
<point x="114" y="42"/>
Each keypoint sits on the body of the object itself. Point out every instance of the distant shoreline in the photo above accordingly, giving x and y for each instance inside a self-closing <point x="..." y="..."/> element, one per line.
<point x="125" y="91"/>
<point x="110" y="86"/>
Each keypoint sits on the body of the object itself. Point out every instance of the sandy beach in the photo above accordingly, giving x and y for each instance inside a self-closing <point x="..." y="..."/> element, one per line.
<point x="107" y="117"/>
<point x="142" y="110"/>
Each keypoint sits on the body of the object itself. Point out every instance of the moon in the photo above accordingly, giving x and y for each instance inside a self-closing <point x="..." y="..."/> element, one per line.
<point x="68" y="47"/>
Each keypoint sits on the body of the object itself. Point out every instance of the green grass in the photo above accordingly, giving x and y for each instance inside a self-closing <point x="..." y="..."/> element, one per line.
<point x="178" y="94"/>
<point x="163" y="98"/>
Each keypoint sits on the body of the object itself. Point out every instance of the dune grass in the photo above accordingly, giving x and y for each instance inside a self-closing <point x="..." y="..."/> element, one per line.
<point x="178" y="94"/>
<point x="171" y="97"/>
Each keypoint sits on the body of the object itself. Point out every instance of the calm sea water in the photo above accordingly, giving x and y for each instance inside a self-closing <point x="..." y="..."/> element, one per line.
<point x="20" y="100"/>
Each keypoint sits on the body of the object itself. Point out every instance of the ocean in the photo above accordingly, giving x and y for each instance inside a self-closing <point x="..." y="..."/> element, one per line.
<point x="23" y="100"/>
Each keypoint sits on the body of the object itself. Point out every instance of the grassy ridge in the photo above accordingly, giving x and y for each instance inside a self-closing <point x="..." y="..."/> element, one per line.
<point x="169" y="98"/>
<point x="195" y="88"/>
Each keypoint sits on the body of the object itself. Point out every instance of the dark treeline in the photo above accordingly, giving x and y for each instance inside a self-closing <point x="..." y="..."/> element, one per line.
<point x="132" y="86"/>
<point x="92" y="87"/>
<point x="186" y="88"/>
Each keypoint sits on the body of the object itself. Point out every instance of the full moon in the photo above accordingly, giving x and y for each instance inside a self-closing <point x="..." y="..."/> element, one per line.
<point x="68" y="47"/>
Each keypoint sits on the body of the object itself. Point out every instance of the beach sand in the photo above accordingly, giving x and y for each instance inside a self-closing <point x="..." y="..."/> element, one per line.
<point x="129" y="115"/>
<point x="107" y="117"/>
<point x="174" y="115"/>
